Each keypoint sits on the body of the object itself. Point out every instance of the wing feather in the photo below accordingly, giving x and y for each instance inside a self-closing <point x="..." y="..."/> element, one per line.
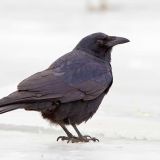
<point x="72" y="77"/>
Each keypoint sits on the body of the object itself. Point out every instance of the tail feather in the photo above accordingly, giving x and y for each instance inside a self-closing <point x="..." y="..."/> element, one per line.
<point x="11" y="102"/>
<point x="38" y="106"/>
<point x="8" y="108"/>
<point x="25" y="100"/>
<point x="15" y="98"/>
<point x="21" y="97"/>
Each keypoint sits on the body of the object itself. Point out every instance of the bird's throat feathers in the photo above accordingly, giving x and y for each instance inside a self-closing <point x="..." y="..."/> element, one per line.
<point x="108" y="55"/>
<point x="103" y="54"/>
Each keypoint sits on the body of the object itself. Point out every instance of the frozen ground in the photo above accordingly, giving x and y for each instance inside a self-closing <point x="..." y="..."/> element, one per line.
<point x="35" y="33"/>
<point x="29" y="146"/>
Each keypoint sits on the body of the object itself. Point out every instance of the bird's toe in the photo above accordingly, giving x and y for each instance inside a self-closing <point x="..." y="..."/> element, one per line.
<point x="88" y="138"/>
<point x="63" y="138"/>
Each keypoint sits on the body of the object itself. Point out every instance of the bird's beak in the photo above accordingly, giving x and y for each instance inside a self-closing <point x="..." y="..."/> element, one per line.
<point x="116" y="40"/>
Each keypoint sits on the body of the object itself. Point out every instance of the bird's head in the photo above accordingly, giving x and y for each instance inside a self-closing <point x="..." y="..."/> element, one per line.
<point x="100" y="44"/>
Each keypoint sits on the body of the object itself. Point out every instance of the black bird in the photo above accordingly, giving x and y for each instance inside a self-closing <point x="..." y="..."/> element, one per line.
<point x="70" y="91"/>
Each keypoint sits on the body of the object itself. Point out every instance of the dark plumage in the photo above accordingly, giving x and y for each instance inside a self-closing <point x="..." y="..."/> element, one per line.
<point x="70" y="91"/>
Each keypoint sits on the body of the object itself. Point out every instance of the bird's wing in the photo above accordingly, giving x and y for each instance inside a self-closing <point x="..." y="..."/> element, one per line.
<point x="91" y="79"/>
<point x="68" y="79"/>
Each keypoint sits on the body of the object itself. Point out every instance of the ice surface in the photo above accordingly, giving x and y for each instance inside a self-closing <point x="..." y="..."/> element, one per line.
<point x="35" y="33"/>
<point x="38" y="146"/>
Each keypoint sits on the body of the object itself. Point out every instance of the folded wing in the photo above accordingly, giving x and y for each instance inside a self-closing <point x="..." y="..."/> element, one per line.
<point x="69" y="79"/>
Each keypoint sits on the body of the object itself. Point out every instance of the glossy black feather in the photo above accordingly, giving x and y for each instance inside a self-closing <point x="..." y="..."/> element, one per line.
<point x="74" y="76"/>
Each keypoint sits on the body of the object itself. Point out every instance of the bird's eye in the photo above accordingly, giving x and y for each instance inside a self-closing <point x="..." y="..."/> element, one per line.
<point x="100" y="42"/>
<point x="105" y="39"/>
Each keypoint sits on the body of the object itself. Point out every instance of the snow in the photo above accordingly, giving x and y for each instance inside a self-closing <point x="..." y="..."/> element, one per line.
<point x="35" y="33"/>
<point x="46" y="148"/>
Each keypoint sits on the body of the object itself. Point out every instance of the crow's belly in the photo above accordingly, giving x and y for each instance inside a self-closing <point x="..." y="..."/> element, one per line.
<point x="74" y="112"/>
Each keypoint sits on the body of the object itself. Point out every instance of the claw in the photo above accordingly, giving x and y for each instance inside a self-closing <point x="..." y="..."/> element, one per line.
<point x="88" y="138"/>
<point x="74" y="139"/>
<point x="94" y="139"/>
<point x="69" y="139"/>
<point x="62" y="138"/>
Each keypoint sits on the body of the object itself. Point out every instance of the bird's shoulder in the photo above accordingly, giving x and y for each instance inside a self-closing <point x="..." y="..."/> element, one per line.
<point x="78" y="61"/>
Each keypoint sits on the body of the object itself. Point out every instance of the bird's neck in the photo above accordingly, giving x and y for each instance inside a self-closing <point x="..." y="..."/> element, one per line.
<point x="104" y="55"/>
<point x="108" y="55"/>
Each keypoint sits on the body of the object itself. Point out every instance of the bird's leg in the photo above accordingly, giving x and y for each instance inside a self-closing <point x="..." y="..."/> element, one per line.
<point x="85" y="138"/>
<point x="69" y="137"/>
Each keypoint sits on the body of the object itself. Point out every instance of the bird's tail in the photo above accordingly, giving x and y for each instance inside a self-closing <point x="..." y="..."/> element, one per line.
<point x="8" y="108"/>
<point x="11" y="102"/>
<point x="24" y="100"/>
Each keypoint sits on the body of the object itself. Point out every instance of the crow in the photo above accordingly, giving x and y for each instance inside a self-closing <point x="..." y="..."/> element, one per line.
<point x="70" y="91"/>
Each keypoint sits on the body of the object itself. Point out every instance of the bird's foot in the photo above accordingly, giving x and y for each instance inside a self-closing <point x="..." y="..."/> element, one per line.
<point x="87" y="138"/>
<point x="71" y="139"/>
<point x="83" y="139"/>
<point x="74" y="139"/>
